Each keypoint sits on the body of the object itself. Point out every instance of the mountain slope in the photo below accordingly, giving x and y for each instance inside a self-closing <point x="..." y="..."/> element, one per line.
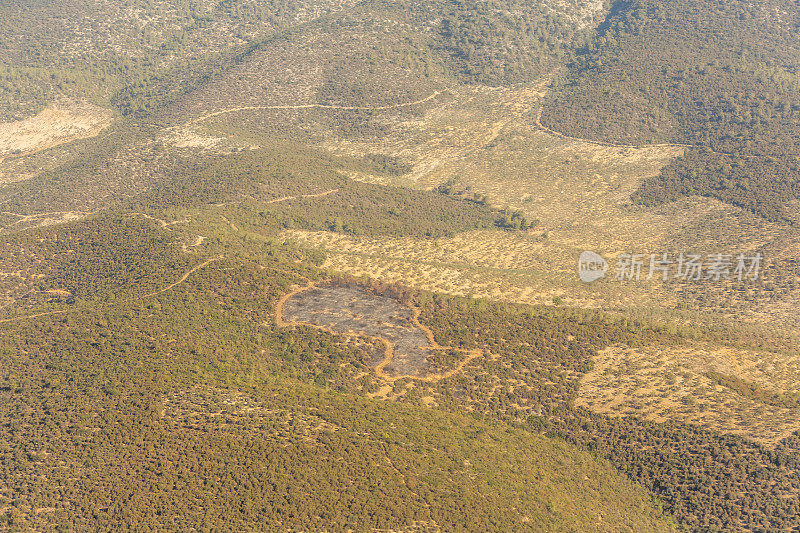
<point x="185" y="406"/>
<point x="724" y="76"/>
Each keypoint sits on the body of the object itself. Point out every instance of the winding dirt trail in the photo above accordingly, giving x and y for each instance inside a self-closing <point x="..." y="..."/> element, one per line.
<point x="389" y="347"/>
<point x="547" y="86"/>
<point x="198" y="239"/>
<point x="277" y="200"/>
<point x="31" y="317"/>
<point x="279" y="306"/>
<point x="560" y="135"/>
<point x="185" y="276"/>
<point x="430" y="378"/>
<point x="316" y="106"/>
<point x="180" y="280"/>
<point x="287" y="198"/>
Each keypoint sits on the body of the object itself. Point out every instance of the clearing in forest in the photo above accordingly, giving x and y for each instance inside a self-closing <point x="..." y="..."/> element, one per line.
<point x="57" y="124"/>
<point x="411" y="351"/>
<point x="744" y="392"/>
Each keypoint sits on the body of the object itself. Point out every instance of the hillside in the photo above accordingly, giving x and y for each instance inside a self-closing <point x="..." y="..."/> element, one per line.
<point x="140" y="55"/>
<point x="127" y="53"/>
<point x="97" y="286"/>
<point x="312" y="265"/>
<point x="183" y="427"/>
<point x="721" y="76"/>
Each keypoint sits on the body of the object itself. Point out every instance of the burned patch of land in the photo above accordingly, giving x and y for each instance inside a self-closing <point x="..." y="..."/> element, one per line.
<point x="351" y="310"/>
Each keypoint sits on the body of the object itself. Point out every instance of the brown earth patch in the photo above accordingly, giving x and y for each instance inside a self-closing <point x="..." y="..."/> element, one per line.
<point x="410" y="348"/>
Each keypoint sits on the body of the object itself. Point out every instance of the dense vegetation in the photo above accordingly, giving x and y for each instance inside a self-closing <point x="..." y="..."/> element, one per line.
<point x="537" y="355"/>
<point x="748" y="389"/>
<point x="501" y="42"/>
<point x="83" y="260"/>
<point x="208" y="412"/>
<point x="706" y="480"/>
<point x="762" y="185"/>
<point x="78" y="403"/>
<point x="276" y="188"/>
<point x="138" y="54"/>
<point x="109" y="264"/>
<point x="293" y="189"/>
<point x="719" y="75"/>
<point x="144" y="380"/>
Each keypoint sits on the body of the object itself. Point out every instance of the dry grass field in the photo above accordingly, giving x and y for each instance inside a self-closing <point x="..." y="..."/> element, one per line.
<point x="487" y="141"/>
<point x="59" y="123"/>
<point x="489" y="264"/>
<point x="673" y="383"/>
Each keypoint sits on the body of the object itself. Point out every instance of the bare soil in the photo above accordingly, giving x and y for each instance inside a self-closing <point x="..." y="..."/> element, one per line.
<point x="410" y="348"/>
<point x="350" y="310"/>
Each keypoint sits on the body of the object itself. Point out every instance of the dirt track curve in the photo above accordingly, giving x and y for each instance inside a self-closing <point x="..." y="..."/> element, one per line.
<point x="389" y="347"/>
<point x="316" y="106"/>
